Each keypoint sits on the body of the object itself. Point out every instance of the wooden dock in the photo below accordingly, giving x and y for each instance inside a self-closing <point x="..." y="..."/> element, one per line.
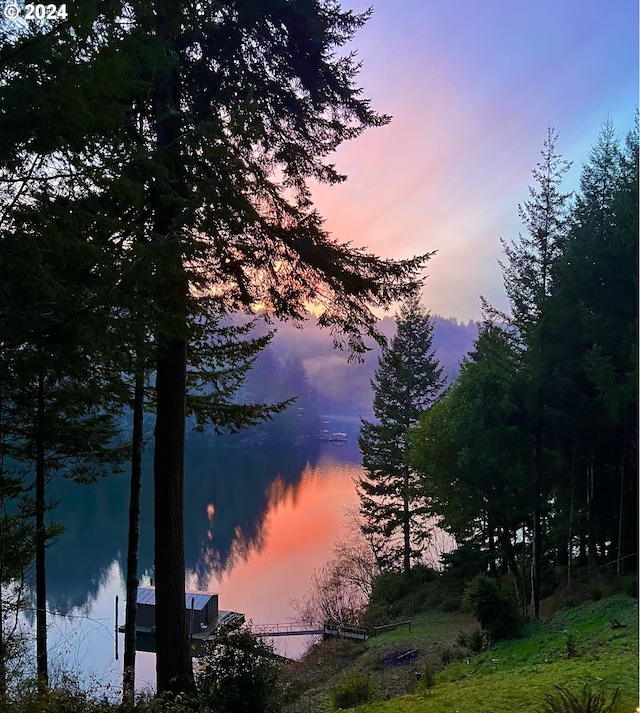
<point x="328" y="630"/>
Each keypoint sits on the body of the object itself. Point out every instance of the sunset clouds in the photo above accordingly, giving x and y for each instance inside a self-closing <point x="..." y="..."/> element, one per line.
<point x="472" y="88"/>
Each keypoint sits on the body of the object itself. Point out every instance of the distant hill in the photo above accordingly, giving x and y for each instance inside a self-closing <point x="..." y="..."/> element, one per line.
<point x="344" y="388"/>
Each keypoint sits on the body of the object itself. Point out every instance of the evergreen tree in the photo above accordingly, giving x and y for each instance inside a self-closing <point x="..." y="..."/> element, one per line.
<point x="195" y="129"/>
<point x="527" y="278"/>
<point x="60" y="396"/>
<point x="544" y="214"/>
<point x="592" y="340"/>
<point x="406" y="382"/>
<point x="473" y="456"/>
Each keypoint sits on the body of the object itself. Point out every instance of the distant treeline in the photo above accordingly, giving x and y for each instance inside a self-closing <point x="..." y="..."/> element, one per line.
<point x="304" y="363"/>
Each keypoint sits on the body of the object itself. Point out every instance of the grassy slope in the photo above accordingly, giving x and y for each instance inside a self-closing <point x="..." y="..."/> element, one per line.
<point x="575" y="647"/>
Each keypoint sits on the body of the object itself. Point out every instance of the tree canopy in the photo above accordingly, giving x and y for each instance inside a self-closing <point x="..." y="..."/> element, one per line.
<point x="177" y="142"/>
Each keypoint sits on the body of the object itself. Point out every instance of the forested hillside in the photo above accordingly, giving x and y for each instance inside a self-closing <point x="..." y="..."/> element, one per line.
<point x="530" y="458"/>
<point x="342" y="386"/>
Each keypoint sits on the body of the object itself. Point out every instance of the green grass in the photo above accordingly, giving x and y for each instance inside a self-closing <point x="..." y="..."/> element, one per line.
<point x="432" y="624"/>
<point x="515" y="675"/>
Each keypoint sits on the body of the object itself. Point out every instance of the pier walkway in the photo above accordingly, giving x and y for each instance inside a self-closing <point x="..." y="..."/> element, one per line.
<point x="295" y="628"/>
<point x="329" y="629"/>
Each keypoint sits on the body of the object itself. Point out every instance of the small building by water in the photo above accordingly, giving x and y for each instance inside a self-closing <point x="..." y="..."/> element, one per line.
<point x="202" y="609"/>
<point x="202" y="614"/>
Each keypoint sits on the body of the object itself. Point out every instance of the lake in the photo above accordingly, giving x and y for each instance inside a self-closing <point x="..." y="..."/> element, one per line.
<point x="258" y="521"/>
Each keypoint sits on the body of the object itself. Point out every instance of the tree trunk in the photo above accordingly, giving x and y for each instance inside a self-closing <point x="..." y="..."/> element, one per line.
<point x="571" y="508"/>
<point x="536" y="565"/>
<point x="620" y="548"/>
<point x="40" y="543"/>
<point x="591" y="514"/>
<point x="504" y="538"/>
<point x="523" y="572"/>
<point x="173" y="660"/>
<point x="406" y="527"/>
<point x="570" y="537"/>
<point x="492" y="548"/>
<point x="582" y="555"/>
<point x="131" y="611"/>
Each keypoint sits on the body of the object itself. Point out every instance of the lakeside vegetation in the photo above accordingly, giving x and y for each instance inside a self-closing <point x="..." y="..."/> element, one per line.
<point x="586" y="643"/>
<point x="573" y="645"/>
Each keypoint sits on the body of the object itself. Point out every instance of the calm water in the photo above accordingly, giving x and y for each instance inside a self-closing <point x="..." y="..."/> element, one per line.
<point x="258" y="521"/>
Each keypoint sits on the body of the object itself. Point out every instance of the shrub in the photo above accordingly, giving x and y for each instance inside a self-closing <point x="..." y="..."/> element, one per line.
<point x="449" y="654"/>
<point x="563" y="701"/>
<point x="494" y="607"/>
<point x="57" y="700"/>
<point x="426" y="678"/>
<point x="596" y="593"/>
<point x="239" y="673"/>
<point x="570" y="644"/>
<point x="631" y="587"/>
<point x="388" y="587"/>
<point x="465" y="562"/>
<point x="451" y="604"/>
<point x="473" y="640"/>
<point x="421" y="574"/>
<point x="351" y="690"/>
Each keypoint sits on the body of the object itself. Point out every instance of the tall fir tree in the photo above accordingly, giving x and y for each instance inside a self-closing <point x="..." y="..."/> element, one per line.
<point x="407" y="381"/>
<point x="592" y="328"/>
<point x="474" y="459"/>
<point x="544" y="215"/>
<point x="527" y="275"/>
<point x="196" y="129"/>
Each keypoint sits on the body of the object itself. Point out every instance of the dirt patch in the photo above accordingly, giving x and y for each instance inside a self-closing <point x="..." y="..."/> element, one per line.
<point x="400" y="658"/>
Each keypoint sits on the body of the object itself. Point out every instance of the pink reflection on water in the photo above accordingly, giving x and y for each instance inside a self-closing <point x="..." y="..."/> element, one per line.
<point x="298" y="535"/>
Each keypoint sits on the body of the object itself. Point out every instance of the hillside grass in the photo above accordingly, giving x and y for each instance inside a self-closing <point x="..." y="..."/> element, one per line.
<point x="574" y="647"/>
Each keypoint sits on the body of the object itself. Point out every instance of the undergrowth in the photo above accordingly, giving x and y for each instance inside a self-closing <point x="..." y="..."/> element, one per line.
<point x="576" y="651"/>
<point x="589" y="701"/>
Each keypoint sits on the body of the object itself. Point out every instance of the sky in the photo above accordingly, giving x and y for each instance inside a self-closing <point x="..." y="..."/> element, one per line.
<point x="473" y="87"/>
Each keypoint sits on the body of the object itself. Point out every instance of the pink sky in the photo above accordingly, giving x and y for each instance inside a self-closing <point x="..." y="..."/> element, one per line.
<point x="472" y="88"/>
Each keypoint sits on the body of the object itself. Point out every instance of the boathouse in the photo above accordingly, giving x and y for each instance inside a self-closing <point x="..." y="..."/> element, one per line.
<point x="202" y="609"/>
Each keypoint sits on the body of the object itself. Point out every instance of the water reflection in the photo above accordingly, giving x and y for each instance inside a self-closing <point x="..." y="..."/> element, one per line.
<point x="228" y="492"/>
<point x="257" y="523"/>
<point x="298" y="534"/>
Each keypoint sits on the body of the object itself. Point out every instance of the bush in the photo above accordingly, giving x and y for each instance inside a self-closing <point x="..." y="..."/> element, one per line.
<point x="351" y="690"/>
<point x="426" y="678"/>
<point x="570" y="645"/>
<point x="631" y="587"/>
<point x="58" y="700"/>
<point x="239" y="674"/>
<point x="451" y="604"/>
<point x="563" y="701"/>
<point x="388" y="588"/>
<point x="494" y="607"/>
<point x="473" y="640"/>
<point x="596" y="593"/>
<point x="421" y="574"/>
<point x="465" y="562"/>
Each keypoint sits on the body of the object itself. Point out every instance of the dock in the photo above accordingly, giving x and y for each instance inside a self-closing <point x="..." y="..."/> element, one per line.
<point x="328" y="630"/>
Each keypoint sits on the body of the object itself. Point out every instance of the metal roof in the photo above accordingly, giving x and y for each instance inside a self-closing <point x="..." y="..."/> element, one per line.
<point x="147" y="595"/>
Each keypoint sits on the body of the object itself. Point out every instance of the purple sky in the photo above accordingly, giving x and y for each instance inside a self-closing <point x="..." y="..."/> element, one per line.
<point x="472" y="87"/>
